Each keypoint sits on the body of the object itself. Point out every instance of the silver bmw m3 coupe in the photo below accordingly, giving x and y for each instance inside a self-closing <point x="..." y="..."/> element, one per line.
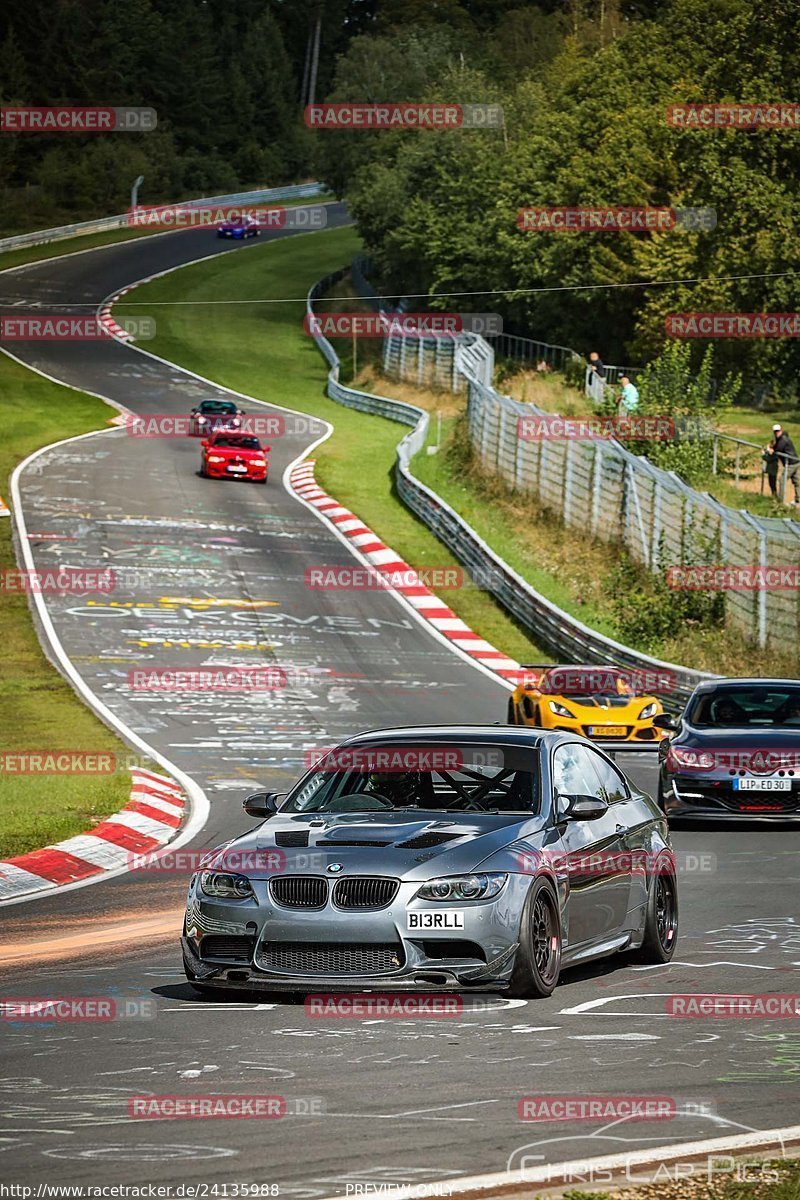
<point x="444" y="857"/>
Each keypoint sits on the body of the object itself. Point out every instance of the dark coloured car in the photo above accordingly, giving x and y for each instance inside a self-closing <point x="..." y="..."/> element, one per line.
<point x="437" y="858"/>
<point x="210" y="416"/>
<point x="734" y="752"/>
<point x="239" y="228"/>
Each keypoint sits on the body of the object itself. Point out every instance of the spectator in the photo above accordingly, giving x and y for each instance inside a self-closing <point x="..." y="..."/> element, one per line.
<point x="542" y="366"/>
<point x="784" y="451"/>
<point x="597" y="366"/>
<point x="771" y="465"/>
<point x="630" y="395"/>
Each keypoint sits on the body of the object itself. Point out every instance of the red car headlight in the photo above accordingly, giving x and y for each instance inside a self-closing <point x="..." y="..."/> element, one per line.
<point x="679" y="759"/>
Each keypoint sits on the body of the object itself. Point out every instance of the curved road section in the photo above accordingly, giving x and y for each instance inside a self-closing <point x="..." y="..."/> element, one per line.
<point x="210" y="575"/>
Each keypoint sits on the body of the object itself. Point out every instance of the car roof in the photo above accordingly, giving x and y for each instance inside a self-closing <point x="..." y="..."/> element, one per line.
<point x="713" y="685"/>
<point x="509" y="735"/>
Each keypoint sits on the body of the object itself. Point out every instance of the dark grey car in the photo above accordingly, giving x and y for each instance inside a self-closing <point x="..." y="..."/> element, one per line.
<point x="444" y="857"/>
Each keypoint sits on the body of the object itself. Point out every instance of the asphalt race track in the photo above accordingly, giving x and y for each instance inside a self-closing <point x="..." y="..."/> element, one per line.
<point x="213" y="573"/>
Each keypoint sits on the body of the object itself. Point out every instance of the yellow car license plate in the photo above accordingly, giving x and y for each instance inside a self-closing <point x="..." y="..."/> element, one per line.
<point x="607" y="731"/>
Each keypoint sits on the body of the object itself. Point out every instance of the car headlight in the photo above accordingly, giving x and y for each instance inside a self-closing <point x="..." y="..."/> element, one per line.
<point x="235" y="422"/>
<point x="224" y="884"/>
<point x="462" y="887"/>
<point x="559" y="709"/>
<point x="216" y="458"/>
<point x="649" y="710"/>
<point x="258" y="462"/>
<point x="693" y="760"/>
<point x="201" y="420"/>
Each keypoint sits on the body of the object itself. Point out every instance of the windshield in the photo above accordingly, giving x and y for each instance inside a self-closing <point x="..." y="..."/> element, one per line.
<point x="771" y="706"/>
<point x="238" y="443"/>
<point x="582" y="682"/>
<point x="440" y="779"/>
<point x="218" y="406"/>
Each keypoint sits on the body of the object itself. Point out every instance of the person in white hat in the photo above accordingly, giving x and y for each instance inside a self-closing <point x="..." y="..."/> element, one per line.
<point x="781" y="450"/>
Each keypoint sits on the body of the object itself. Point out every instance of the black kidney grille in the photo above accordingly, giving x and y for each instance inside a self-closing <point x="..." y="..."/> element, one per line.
<point x="299" y="891"/>
<point x="291" y="837"/>
<point x="364" y="891"/>
<point x="227" y="949"/>
<point x="347" y="958"/>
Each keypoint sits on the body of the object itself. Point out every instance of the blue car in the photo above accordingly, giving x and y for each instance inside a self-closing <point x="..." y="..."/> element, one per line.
<point x="239" y="227"/>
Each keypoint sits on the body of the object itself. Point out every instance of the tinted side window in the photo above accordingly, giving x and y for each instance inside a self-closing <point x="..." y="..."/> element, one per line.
<point x="613" y="784"/>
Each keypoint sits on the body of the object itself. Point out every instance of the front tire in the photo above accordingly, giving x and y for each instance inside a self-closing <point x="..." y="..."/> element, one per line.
<point x="661" y="921"/>
<point x="537" y="964"/>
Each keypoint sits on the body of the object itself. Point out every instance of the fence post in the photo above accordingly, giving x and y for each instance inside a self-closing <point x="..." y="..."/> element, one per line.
<point x="519" y="461"/>
<point x="761" y="534"/>
<point x="656" y="530"/>
<point x="501" y="438"/>
<point x="633" y="492"/>
<point x="568" y="474"/>
<point x="716" y="455"/>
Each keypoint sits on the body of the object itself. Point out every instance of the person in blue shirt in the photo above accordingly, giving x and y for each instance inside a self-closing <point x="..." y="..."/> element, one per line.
<point x="630" y="395"/>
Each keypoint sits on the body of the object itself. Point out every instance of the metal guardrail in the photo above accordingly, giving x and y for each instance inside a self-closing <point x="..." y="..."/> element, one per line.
<point x="99" y="224"/>
<point x="556" y="631"/>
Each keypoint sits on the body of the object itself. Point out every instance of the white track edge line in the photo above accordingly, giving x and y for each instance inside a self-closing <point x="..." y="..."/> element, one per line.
<point x="199" y="806"/>
<point x="549" y="1172"/>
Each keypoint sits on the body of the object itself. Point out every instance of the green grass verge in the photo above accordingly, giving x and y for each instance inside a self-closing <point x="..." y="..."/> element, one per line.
<point x="747" y="1178"/>
<point x="38" y="708"/>
<point x="263" y="351"/>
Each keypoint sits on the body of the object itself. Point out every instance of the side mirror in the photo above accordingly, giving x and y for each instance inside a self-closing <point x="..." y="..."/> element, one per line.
<point x="665" y="721"/>
<point x="267" y="449"/>
<point x="192" y="413"/>
<point x="205" y="442"/>
<point x="261" y="804"/>
<point x="585" y="808"/>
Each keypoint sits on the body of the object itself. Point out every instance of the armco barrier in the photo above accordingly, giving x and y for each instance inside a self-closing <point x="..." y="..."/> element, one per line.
<point x="38" y="237"/>
<point x="554" y="630"/>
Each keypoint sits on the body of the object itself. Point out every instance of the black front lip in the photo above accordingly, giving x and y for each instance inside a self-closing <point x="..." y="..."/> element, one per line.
<point x="250" y="978"/>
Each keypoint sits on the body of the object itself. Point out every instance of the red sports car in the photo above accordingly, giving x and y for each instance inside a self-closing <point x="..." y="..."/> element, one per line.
<point x="234" y="456"/>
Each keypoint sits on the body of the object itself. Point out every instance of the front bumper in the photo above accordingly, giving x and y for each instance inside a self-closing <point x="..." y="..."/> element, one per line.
<point x="633" y="731"/>
<point x="712" y="797"/>
<point x="479" y="954"/>
<point x="247" y="978"/>
<point x="221" y="473"/>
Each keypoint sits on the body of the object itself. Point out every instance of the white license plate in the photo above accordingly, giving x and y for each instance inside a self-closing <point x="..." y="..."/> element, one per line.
<point x="607" y="731"/>
<point x="238" y="470"/>
<point x="435" y="920"/>
<point x="753" y="784"/>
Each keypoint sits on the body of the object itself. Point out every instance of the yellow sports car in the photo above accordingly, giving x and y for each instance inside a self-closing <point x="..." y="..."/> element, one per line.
<point x="597" y="702"/>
